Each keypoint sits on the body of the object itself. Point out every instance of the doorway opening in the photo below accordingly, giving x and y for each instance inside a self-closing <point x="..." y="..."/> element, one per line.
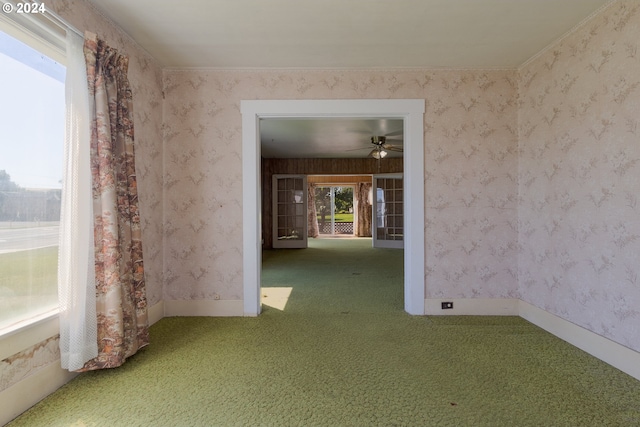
<point x="410" y="111"/>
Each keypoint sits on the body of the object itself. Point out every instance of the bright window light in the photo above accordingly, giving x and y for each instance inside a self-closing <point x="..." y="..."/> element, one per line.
<point x="32" y="117"/>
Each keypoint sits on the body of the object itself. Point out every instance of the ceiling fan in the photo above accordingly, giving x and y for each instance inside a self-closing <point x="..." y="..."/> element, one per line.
<point x="382" y="147"/>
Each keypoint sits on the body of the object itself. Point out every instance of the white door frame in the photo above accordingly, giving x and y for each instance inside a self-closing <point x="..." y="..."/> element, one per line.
<point x="412" y="113"/>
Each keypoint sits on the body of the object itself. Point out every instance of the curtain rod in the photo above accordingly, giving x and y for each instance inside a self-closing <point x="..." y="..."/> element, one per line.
<point x="61" y="22"/>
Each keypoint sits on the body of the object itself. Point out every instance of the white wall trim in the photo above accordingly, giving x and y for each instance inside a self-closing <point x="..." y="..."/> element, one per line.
<point x="156" y="313"/>
<point x="473" y="307"/>
<point x="210" y="308"/>
<point x="31" y="390"/>
<point x="616" y="355"/>
<point x="28" y="336"/>
<point x="410" y="110"/>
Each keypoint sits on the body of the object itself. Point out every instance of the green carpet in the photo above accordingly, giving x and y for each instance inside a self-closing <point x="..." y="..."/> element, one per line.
<point x="344" y="353"/>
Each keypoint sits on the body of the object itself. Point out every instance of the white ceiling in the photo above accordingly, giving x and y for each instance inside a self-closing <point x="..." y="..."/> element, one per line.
<point x="346" y="33"/>
<point x="480" y="34"/>
<point x="327" y="138"/>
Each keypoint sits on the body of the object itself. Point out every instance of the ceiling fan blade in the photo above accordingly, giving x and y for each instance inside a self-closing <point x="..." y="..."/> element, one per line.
<point x="392" y="147"/>
<point x="396" y="133"/>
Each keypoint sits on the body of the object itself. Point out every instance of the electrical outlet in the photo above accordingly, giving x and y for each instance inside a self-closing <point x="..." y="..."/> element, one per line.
<point x="447" y="305"/>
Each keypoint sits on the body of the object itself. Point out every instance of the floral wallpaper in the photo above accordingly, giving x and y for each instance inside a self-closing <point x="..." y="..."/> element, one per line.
<point x="579" y="216"/>
<point x="471" y="185"/>
<point x="471" y="164"/>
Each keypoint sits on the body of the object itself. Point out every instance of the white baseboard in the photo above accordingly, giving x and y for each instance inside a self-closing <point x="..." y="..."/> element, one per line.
<point x="213" y="308"/>
<point x="156" y="313"/>
<point x="472" y="307"/>
<point x="616" y="355"/>
<point x="31" y="390"/>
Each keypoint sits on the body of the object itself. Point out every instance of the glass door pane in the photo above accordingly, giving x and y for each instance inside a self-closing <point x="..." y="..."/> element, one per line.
<point x="343" y="210"/>
<point x="334" y="210"/>
<point x="388" y="211"/>
<point x="289" y="211"/>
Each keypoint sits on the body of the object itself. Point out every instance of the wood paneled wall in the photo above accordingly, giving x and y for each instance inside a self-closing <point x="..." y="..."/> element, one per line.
<point x="315" y="167"/>
<point x="338" y="179"/>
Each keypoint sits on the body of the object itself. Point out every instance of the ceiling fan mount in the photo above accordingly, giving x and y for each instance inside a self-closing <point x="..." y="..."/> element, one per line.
<point x="378" y="140"/>
<point x="381" y="147"/>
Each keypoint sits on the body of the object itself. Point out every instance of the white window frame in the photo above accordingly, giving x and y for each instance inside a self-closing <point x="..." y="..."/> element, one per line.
<point x="37" y="30"/>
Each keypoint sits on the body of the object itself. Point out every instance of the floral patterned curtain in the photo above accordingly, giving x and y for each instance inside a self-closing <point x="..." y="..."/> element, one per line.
<point x="312" y="226"/>
<point x="363" y="226"/>
<point x="123" y="325"/>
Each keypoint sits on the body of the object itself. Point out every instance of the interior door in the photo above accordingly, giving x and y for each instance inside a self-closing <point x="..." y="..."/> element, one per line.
<point x="388" y="211"/>
<point x="289" y="211"/>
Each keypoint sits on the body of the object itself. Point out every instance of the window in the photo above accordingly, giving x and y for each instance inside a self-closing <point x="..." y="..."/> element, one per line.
<point x="32" y="117"/>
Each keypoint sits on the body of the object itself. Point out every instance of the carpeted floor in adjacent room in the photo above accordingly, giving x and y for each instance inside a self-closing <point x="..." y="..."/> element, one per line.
<point x="340" y="351"/>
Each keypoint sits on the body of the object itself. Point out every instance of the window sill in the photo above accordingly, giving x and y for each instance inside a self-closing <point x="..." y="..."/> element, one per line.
<point x="23" y="335"/>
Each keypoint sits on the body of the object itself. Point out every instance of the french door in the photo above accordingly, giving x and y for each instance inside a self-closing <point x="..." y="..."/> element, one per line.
<point x="289" y="211"/>
<point x="388" y="211"/>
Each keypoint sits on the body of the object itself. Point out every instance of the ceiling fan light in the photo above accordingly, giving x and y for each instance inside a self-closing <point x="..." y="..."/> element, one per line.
<point x="378" y="154"/>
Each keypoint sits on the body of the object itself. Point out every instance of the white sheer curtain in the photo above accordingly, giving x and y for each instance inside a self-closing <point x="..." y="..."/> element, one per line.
<point x="76" y="268"/>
